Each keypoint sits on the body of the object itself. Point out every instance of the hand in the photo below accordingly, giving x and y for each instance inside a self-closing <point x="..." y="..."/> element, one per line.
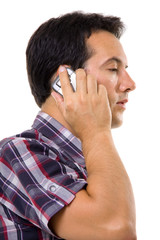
<point x="87" y="109"/>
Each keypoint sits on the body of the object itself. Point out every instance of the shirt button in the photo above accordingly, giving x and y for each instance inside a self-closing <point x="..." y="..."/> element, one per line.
<point x="52" y="188"/>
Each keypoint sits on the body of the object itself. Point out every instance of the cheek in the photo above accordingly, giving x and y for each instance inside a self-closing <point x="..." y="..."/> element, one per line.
<point x="105" y="78"/>
<point x="110" y="86"/>
<point x="109" y="80"/>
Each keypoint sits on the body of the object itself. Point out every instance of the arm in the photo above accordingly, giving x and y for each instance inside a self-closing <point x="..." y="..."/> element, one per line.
<point x="105" y="210"/>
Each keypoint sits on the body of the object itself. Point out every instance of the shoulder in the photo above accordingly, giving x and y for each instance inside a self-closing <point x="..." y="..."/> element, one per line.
<point x="5" y="145"/>
<point x="20" y="144"/>
<point x="26" y="135"/>
<point x="4" y="142"/>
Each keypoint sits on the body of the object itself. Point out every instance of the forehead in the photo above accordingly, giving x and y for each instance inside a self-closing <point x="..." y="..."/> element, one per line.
<point x="104" y="45"/>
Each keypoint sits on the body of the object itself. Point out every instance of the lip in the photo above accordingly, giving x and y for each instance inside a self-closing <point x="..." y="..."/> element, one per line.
<point x="122" y="103"/>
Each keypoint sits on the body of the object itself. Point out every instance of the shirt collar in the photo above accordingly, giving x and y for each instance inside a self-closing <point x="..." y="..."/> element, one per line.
<point x="62" y="137"/>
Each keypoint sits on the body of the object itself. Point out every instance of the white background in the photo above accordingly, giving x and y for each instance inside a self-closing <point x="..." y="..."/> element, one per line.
<point x="138" y="139"/>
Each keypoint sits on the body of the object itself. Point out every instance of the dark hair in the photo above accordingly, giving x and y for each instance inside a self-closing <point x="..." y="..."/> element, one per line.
<point x="60" y="41"/>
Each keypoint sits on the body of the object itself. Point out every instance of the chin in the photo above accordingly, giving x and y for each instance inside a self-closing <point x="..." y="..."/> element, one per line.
<point x="117" y="121"/>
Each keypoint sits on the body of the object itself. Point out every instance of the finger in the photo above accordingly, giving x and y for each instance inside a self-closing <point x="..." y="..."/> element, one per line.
<point x="57" y="97"/>
<point x="91" y="84"/>
<point x="59" y="100"/>
<point x="81" y="81"/>
<point x="102" y="92"/>
<point x="65" y="81"/>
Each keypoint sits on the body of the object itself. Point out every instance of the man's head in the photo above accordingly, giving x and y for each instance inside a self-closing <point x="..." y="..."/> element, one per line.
<point x="80" y="41"/>
<point x="108" y="64"/>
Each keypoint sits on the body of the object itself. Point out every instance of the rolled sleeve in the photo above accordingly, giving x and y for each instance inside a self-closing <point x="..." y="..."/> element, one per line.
<point x="39" y="181"/>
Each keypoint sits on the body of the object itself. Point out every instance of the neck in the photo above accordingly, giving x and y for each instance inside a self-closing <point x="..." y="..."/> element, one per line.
<point x="51" y="109"/>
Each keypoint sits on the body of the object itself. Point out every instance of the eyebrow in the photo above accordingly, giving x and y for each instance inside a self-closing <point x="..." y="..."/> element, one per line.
<point x="114" y="59"/>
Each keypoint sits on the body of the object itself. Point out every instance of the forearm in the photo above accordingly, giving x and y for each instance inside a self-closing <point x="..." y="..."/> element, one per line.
<point x="108" y="182"/>
<point x="105" y="210"/>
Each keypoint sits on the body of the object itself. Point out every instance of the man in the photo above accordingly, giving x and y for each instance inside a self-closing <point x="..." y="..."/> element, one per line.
<point x="64" y="179"/>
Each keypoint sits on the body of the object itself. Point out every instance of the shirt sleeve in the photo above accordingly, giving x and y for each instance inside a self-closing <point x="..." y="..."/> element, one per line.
<point x="39" y="181"/>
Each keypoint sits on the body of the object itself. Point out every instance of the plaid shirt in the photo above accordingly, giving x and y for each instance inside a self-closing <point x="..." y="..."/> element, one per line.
<point x="41" y="170"/>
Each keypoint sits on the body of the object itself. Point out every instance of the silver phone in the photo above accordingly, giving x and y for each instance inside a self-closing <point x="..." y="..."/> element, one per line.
<point x="56" y="85"/>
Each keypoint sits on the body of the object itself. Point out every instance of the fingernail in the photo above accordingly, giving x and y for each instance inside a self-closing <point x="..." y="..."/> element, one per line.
<point x="62" y="69"/>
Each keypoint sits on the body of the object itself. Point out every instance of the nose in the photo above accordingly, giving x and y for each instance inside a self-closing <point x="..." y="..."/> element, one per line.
<point x="126" y="83"/>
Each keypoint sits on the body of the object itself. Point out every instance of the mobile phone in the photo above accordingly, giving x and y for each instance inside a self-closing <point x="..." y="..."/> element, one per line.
<point x="56" y="85"/>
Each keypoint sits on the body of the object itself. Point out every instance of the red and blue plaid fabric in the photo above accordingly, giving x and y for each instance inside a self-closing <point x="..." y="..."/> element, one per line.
<point x="41" y="170"/>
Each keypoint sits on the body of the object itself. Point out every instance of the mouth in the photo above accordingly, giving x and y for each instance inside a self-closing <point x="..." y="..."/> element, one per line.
<point x="122" y="103"/>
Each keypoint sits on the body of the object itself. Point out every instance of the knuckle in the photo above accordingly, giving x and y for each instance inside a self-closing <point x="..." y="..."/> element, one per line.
<point x="69" y="105"/>
<point x="82" y="100"/>
<point x="95" y="100"/>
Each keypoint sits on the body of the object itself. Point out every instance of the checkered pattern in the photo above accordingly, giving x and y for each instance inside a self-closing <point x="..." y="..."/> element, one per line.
<point x="41" y="170"/>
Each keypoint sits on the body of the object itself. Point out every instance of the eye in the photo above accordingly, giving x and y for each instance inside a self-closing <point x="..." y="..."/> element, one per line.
<point x="113" y="69"/>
